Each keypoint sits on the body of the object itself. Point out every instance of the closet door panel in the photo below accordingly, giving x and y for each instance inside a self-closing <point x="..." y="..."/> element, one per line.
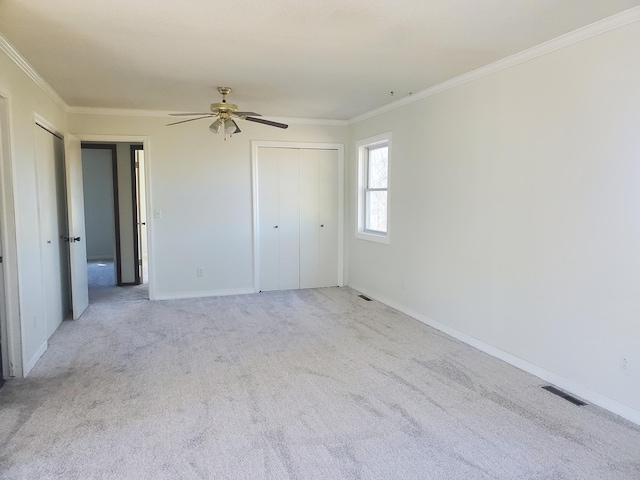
<point x="328" y="216"/>
<point x="268" y="200"/>
<point x="319" y="218"/>
<point x="309" y="220"/>
<point x="289" y="224"/>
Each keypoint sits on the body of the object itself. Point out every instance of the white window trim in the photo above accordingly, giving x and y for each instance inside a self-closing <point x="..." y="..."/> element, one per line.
<point x="361" y="147"/>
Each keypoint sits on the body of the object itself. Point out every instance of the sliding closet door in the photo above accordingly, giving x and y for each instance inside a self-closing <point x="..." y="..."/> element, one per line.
<point x="279" y="218"/>
<point x="318" y="218"/>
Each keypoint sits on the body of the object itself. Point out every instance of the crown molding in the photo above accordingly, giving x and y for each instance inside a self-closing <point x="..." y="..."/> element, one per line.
<point x="118" y="112"/>
<point x="310" y="121"/>
<point x="19" y="60"/>
<point x="163" y="113"/>
<point x="584" y="33"/>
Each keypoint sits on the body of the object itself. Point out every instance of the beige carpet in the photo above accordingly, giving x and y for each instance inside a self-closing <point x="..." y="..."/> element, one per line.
<point x="312" y="384"/>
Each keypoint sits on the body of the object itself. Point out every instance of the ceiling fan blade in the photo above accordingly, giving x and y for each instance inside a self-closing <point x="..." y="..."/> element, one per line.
<point x="189" y="120"/>
<point x="189" y="114"/>
<point x="247" y="114"/>
<point x="267" y="122"/>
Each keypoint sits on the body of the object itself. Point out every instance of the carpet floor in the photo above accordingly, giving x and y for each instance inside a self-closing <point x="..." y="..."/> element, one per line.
<point x="101" y="276"/>
<point x="308" y="384"/>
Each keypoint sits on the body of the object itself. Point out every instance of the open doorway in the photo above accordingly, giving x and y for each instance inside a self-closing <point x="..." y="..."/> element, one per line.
<point x="114" y="198"/>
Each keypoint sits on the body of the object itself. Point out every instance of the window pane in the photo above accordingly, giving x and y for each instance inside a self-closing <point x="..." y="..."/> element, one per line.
<point x="376" y="211"/>
<point x="378" y="167"/>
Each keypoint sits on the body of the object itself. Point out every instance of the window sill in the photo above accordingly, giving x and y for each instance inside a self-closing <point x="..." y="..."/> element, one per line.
<point x="373" y="237"/>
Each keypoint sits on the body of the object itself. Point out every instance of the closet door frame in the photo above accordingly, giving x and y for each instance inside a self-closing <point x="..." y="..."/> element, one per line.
<point x="255" y="146"/>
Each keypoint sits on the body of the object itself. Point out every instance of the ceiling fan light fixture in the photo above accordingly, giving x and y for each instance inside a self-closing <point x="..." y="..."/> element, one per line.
<point x="216" y="126"/>
<point x="230" y="126"/>
<point x="224" y="113"/>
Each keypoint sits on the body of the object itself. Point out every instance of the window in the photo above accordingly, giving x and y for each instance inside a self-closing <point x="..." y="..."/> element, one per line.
<point x="373" y="188"/>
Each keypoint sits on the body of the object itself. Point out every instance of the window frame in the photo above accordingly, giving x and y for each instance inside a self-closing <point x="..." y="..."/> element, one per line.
<point x="363" y="147"/>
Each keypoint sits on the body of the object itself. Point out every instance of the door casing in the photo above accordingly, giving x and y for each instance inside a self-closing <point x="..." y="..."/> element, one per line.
<point x="10" y="331"/>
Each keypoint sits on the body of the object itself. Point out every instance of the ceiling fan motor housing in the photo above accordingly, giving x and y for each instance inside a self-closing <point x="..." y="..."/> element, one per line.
<point x="223" y="108"/>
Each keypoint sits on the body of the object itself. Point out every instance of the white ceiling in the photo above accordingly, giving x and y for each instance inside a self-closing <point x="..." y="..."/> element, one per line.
<point x="324" y="59"/>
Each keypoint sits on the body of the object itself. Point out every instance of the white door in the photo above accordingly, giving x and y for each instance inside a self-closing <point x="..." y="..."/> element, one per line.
<point x="279" y="218"/>
<point x="298" y="213"/>
<point x="141" y="209"/>
<point x="77" y="242"/>
<point x="53" y="228"/>
<point x="318" y="218"/>
<point x="268" y="220"/>
<point x="289" y="224"/>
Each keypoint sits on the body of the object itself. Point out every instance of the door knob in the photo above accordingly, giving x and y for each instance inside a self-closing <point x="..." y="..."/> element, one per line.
<point x="322" y="225"/>
<point x="276" y="226"/>
<point x="76" y="239"/>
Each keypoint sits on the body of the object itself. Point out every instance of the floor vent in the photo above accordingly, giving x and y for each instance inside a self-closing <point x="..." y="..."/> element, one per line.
<point x="566" y="396"/>
<point x="364" y="297"/>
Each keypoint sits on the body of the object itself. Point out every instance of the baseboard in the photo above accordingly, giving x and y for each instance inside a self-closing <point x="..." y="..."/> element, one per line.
<point x="34" y="359"/>
<point x="587" y="394"/>
<point x="203" y="294"/>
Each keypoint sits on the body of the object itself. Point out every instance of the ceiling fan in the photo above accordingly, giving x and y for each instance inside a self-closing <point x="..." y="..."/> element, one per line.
<point x="225" y="113"/>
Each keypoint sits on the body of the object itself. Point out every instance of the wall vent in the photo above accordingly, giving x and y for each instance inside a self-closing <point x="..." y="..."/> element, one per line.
<point x="364" y="297"/>
<point x="564" y="395"/>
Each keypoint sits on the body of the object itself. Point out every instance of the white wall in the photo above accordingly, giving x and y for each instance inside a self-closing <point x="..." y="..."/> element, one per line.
<point x="26" y="100"/>
<point x="97" y="179"/>
<point x="516" y="214"/>
<point x="201" y="186"/>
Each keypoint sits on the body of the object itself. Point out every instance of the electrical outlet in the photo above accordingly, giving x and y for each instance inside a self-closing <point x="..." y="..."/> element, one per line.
<point x="200" y="272"/>
<point x="624" y="366"/>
